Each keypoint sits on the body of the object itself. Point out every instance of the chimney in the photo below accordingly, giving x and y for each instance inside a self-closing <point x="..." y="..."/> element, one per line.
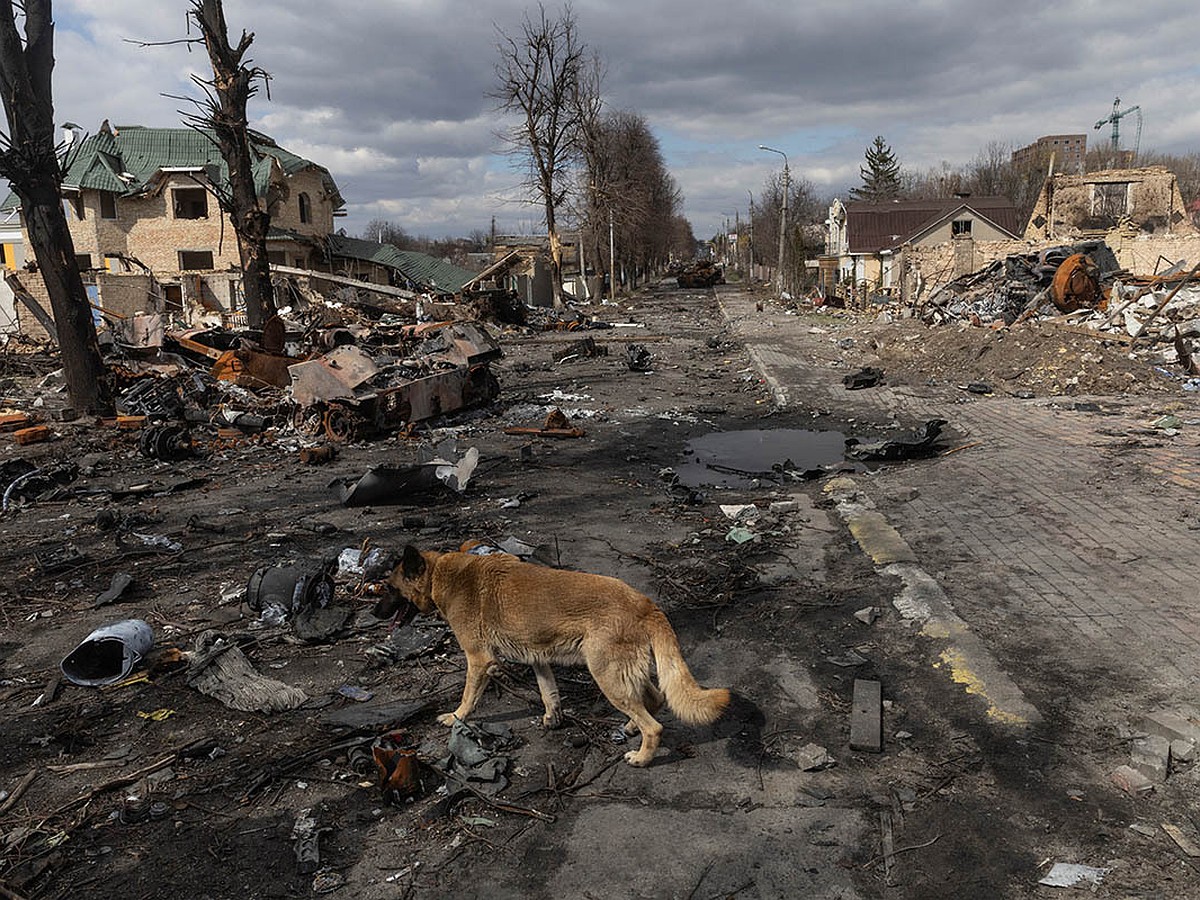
<point x="71" y="134"/>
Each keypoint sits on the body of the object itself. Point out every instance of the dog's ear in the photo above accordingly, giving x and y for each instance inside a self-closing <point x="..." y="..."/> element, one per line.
<point x="413" y="563"/>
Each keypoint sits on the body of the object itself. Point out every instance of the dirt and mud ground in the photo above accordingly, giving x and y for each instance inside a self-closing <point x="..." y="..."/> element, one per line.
<point x="724" y="811"/>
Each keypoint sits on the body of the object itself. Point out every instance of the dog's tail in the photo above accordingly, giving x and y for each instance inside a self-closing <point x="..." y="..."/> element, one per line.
<point x="690" y="702"/>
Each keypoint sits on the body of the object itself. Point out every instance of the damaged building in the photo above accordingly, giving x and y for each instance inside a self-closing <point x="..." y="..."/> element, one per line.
<point x="149" y="234"/>
<point x="378" y="263"/>
<point x="1145" y="200"/>
<point x="864" y="240"/>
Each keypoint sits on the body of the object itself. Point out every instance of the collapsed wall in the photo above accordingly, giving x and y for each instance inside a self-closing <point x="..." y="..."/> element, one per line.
<point x="926" y="269"/>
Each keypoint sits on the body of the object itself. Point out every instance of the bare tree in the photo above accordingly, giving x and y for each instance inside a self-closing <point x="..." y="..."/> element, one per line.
<point x="233" y="83"/>
<point x="537" y="77"/>
<point x="595" y="187"/>
<point x="800" y="242"/>
<point x="29" y="161"/>
<point x="384" y="231"/>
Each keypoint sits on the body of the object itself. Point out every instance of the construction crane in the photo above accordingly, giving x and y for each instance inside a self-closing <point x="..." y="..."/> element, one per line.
<point x="1115" y="117"/>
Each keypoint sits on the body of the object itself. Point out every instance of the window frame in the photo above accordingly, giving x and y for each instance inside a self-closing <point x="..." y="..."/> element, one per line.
<point x="180" y="254"/>
<point x="177" y="202"/>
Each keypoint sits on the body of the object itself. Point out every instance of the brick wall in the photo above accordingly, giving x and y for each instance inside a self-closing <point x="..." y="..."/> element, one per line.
<point x="127" y="295"/>
<point x="147" y="228"/>
<point x="27" y="324"/>
<point x="1149" y="196"/>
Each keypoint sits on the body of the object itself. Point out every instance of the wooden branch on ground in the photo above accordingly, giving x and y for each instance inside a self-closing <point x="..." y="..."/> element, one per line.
<point x="122" y="781"/>
<point x="21" y="788"/>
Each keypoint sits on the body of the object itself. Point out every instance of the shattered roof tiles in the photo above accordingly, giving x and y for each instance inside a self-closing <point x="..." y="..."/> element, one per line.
<point x="420" y="269"/>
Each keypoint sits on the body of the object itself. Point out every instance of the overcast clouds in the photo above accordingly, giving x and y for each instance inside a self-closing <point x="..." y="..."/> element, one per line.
<point x="390" y="95"/>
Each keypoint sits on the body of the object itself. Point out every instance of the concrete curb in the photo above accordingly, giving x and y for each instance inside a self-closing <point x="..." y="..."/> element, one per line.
<point x="778" y="391"/>
<point x="964" y="658"/>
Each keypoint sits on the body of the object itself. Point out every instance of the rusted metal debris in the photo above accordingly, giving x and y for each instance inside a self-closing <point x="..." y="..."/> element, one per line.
<point x="1076" y="284"/>
<point x="1051" y="281"/>
<point x="346" y="393"/>
<point x="557" y="425"/>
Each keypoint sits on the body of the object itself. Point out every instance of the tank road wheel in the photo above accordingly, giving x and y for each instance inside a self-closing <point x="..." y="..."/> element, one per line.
<point x="342" y="425"/>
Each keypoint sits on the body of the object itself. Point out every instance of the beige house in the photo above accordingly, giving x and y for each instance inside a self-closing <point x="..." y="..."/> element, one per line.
<point x="149" y="234"/>
<point x="864" y="240"/>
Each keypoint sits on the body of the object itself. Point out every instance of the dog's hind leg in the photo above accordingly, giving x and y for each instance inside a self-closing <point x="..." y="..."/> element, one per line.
<point x="479" y="666"/>
<point x="624" y="691"/>
<point x="548" y="688"/>
<point x="652" y="699"/>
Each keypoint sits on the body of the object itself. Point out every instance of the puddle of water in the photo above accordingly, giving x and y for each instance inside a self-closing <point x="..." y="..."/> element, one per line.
<point x="734" y="459"/>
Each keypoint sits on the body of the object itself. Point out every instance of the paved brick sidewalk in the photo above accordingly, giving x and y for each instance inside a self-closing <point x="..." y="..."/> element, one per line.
<point x="1085" y="520"/>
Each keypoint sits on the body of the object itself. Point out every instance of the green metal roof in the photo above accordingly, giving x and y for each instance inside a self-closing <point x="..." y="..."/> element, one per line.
<point x="126" y="159"/>
<point x="425" y="271"/>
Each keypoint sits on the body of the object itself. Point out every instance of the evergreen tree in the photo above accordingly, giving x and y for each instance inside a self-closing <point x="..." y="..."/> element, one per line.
<point x="880" y="175"/>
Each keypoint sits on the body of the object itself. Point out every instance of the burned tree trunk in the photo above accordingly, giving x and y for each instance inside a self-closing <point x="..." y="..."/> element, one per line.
<point x="232" y="86"/>
<point x="29" y="162"/>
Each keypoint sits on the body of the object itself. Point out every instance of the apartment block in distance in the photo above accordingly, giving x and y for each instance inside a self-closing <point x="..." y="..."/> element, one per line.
<point x="1068" y="149"/>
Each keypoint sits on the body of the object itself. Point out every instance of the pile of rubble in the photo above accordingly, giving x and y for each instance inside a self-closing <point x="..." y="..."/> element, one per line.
<point x="324" y="370"/>
<point x="1019" y="286"/>
<point x="1082" y="286"/>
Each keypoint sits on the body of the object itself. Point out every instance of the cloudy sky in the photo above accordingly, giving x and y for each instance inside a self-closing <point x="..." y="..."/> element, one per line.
<point x="391" y="95"/>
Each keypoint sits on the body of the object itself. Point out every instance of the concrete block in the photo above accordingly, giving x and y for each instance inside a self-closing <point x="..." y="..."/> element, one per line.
<point x="1183" y="751"/>
<point x="1150" y="756"/>
<point x="1171" y="726"/>
<point x="866" y="716"/>
<point x="813" y="758"/>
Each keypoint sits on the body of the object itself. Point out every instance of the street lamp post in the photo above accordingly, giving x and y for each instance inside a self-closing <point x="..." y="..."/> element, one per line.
<point x="782" y="214"/>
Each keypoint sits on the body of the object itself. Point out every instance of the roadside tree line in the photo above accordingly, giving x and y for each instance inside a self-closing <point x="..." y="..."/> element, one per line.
<point x="589" y="167"/>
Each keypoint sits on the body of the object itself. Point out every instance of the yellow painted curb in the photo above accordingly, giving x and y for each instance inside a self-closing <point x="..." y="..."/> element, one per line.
<point x="963" y="673"/>
<point x="879" y="540"/>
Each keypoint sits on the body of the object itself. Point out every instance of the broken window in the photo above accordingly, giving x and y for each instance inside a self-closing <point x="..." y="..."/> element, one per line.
<point x="195" y="259"/>
<point x="191" y="203"/>
<point x="108" y="205"/>
<point x="305" y="209"/>
<point x="172" y="297"/>
<point x="960" y="228"/>
<point x="1110" y="201"/>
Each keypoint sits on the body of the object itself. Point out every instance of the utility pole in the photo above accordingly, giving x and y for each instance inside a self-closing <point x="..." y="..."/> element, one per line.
<point x="737" y="239"/>
<point x="612" y="259"/>
<point x="782" y="214"/>
<point x="750" y="236"/>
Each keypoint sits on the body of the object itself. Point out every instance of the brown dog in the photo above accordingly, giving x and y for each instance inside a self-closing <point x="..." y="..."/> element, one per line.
<point x="498" y="606"/>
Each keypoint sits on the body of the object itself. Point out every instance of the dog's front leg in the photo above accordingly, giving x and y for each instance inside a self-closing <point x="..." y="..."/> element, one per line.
<point x="479" y="668"/>
<point x="548" y="688"/>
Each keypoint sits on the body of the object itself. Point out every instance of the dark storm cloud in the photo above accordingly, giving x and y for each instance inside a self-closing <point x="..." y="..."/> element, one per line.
<point x="391" y="95"/>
